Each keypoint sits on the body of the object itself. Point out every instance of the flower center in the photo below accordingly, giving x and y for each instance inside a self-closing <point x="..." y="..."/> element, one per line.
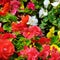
<point x="28" y="33"/>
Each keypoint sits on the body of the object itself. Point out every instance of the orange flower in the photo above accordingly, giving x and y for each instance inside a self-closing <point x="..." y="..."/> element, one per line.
<point x="25" y="19"/>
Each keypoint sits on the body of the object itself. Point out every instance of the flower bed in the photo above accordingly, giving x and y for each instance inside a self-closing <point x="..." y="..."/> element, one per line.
<point x="29" y="29"/>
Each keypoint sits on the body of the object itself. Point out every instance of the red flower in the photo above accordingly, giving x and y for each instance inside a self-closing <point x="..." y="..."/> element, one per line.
<point x="54" y="54"/>
<point x="1" y="29"/>
<point x="6" y="49"/>
<point x="31" y="5"/>
<point x="15" y="27"/>
<point x="32" y="53"/>
<point x="1" y="36"/>
<point x="4" y="1"/>
<point x="5" y="9"/>
<point x="45" y="52"/>
<point x="8" y="35"/>
<point x="44" y="40"/>
<point x="31" y="32"/>
<point x="18" y="27"/>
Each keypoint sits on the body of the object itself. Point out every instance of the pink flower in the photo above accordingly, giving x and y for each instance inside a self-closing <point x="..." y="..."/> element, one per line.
<point x="14" y="6"/>
<point x="31" y="32"/>
<point x="31" y="53"/>
<point x="31" y="5"/>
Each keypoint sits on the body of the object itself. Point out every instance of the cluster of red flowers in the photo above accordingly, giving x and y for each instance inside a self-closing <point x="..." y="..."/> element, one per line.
<point x="31" y="53"/>
<point x="9" y="5"/>
<point x="49" y="54"/>
<point x="27" y="32"/>
<point x="45" y="54"/>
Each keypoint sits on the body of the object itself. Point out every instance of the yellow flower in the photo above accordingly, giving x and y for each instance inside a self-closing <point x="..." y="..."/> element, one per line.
<point x="52" y="29"/>
<point x="53" y="45"/>
<point x="51" y="32"/>
<point x="59" y="34"/>
<point x="49" y="35"/>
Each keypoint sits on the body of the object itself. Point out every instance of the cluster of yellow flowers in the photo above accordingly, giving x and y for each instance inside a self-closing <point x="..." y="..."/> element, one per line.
<point x="51" y="33"/>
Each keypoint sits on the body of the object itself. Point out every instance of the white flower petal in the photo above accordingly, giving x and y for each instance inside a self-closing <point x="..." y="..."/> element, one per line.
<point x="55" y="4"/>
<point x="57" y="1"/>
<point x="42" y="13"/>
<point x="46" y="3"/>
<point x="32" y="20"/>
<point x="45" y="13"/>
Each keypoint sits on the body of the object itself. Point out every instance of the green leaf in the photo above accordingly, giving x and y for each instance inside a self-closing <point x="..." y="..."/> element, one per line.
<point x="21" y="58"/>
<point x="28" y="42"/>
<point x="8" y="18"/>
<point x="54" y="40"/>
<point x="13" y="57"/>
<point x="19" y="43"/>
<point x="39" y="47"/>
<point x="7" y="27"/>
<point x="21" y="11"/>
<point x="58" y="44"/>
<point x="42" y="25"/>
<point x="58" y="23"/>
<point x="25" y="0"/>
<point x="11" y="17"/>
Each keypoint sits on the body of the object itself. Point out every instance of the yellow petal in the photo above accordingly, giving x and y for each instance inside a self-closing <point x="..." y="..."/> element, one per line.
<point x="49" y="35"/>
<point x="52" y="29"/>
<point x="58" y="34"/>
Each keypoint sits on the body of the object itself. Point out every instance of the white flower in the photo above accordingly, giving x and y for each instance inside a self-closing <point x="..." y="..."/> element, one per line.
<point x="42" y="13"/>
<point x="55" y="4"/>
<point x="57" y="1"/>
<point x="32" y="20"/>
<point x="46" y="3"/>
